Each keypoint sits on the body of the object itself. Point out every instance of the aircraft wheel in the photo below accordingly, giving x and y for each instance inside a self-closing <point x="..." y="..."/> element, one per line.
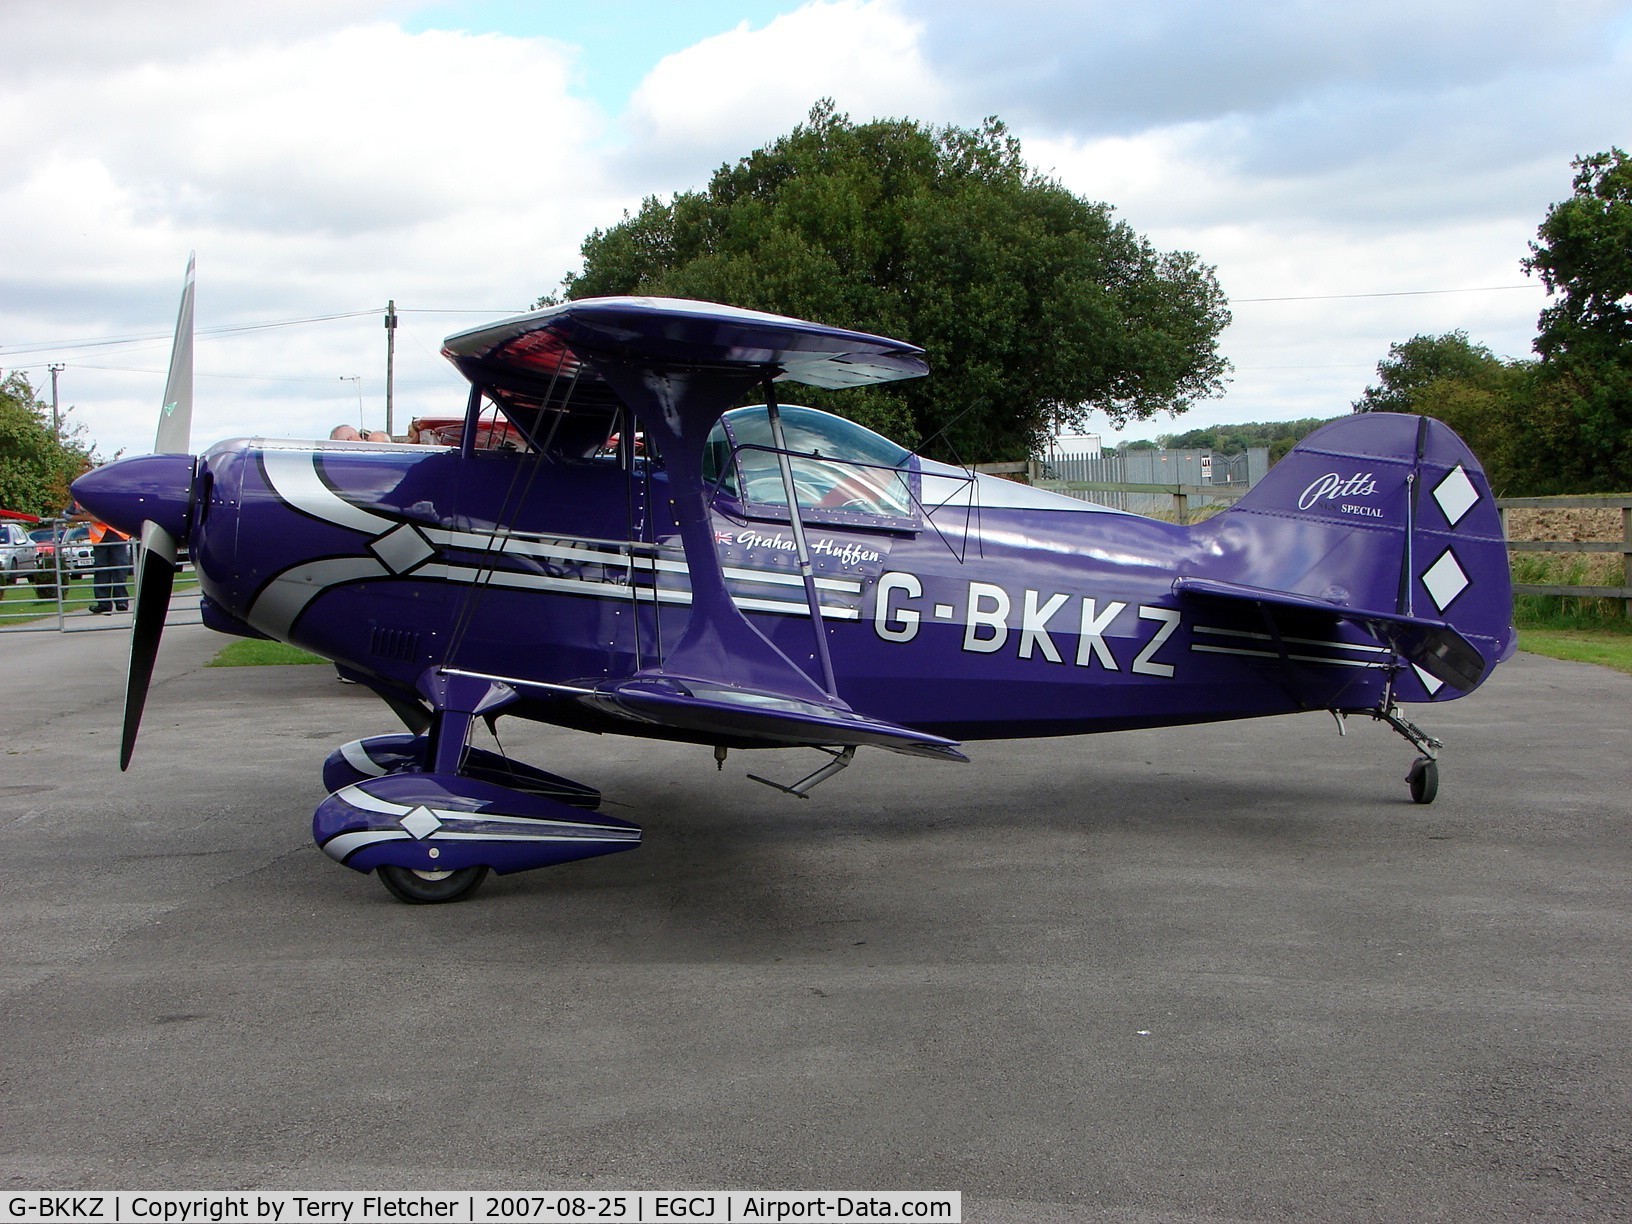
<point x="1424" y="779"/>
<point x="430" y="887"/>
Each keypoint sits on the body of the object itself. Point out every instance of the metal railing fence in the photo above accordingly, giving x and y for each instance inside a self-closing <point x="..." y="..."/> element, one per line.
<point x="58" y="594"/>
<point x="1152" y="482"/>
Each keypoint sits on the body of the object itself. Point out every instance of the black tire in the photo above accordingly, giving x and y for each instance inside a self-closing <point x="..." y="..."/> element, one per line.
<point x="430" y="887"/>
<point x="1424" y="780"/>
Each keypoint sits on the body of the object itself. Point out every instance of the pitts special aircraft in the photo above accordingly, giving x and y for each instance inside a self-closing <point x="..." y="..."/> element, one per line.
<point x="654" y="563"/>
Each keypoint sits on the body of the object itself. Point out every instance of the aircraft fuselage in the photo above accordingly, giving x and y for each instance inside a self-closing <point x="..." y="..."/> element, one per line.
<point x="1005" y="612"/>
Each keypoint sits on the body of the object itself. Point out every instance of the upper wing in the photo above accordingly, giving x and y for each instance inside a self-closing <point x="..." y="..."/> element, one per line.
<point x="651" y="331"/>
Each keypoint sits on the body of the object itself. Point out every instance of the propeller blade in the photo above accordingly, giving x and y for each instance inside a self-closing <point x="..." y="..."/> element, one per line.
<point x="155" y="575"/>
<point x="176" y="416"/>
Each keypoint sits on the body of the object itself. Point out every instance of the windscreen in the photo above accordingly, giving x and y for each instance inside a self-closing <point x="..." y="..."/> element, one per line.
<point x="838" y="466"/>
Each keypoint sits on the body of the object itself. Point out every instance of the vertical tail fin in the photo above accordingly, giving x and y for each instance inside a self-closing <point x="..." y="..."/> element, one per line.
<point x="1388" y="519"/>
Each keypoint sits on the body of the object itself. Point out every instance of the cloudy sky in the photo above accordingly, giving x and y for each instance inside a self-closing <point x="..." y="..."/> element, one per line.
<point x="1358" y="172"/>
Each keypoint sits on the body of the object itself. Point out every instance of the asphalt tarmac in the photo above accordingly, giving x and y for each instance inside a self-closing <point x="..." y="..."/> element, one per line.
<point x="1228" y="972"/>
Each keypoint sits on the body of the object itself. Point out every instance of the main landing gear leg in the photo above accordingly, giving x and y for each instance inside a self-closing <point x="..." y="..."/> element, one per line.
<point x="431" y="816"/>
<point x="449" y="732"/>
<point x="458" y="701"/>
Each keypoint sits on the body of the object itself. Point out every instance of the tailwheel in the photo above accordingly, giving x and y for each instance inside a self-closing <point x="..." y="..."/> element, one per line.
<point x="1424" y="776"/>
<point x="1423" y="779"/>
<point x="430" y="887"/>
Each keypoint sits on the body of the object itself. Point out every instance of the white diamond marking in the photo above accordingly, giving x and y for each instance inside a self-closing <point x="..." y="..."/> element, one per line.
<point x="421" y="822"/>
<point x="1432" y="683"/>
<point x="1456" y="495"/>
<point x="401" y="549"/>
<point x="1445" y="580"/>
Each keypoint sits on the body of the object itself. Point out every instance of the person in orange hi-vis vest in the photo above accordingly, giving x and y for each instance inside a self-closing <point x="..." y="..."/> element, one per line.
<point x="110" y="549"/>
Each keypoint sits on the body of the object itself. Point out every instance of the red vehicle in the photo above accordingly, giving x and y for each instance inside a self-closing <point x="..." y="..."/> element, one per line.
<point x="448" y="431"/>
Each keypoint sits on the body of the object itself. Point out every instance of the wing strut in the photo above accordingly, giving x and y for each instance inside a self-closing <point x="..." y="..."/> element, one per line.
<point x="676" y="366"/>
<point x="803" y="549"/>
<point x="678" y="406"/>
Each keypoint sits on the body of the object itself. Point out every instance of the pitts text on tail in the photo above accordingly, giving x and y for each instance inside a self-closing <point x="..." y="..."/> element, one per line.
<point x="652" y="562"/>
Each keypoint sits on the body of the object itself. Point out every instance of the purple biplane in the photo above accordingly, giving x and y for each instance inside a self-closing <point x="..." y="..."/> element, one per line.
<point x="654" y="562"/>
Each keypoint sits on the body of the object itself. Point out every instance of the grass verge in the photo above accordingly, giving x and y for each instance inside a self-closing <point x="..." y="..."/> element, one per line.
<point x="21" y="604"/>
<point x="253" y="652"/>
<point x="1605" y="647"/>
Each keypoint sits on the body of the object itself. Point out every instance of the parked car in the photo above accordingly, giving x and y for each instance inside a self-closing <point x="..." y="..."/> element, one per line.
<point x="16" y="555"/>
<point x="77" y="557"/>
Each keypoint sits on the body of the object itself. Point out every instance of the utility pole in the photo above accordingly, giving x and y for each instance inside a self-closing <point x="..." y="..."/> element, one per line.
<point x="56" y="414"/>
<point x="390" y="362"/>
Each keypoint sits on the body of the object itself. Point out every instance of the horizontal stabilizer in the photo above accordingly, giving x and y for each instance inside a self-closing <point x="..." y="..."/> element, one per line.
<point x="1433" y="645"/>
<point x="732" y="712"/>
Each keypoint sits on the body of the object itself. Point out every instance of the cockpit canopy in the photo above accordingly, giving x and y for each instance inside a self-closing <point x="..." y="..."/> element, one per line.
<point x="843" y="473"/>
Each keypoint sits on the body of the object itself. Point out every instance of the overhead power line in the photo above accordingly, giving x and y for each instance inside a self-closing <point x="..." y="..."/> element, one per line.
<point x="1336" y="297"/>
<point x="227" y="329"/>
<point x="90" y="344"/>
<point x="277" y="378"/>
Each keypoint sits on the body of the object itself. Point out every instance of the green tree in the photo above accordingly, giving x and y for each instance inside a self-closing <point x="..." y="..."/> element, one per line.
<point x="1492" y="403"/>
<point x="1035" y="306"/>
<point x="1279" y="436"/>
<point x="1413" y="364"/>
<point x="1499" y="415"/>
<point x="35" y="467"/>
<point x="1583" y="255"/>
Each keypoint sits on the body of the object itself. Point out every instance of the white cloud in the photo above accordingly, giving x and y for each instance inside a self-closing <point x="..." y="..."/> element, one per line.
<point x="1098" y="66"/>
<point x="322" y="160"/>
<point x="80" y="36"/>
<point x="317" y="174"/>
<point x="727" y="95"/>
<point x="1312" y="152"/>
<point x="1317" y="246"/>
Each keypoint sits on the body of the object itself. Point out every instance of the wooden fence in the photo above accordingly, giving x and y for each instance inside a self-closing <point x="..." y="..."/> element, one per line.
<point x="1607" y="501"/>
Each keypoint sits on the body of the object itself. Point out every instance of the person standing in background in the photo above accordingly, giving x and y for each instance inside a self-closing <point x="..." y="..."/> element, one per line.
<point x="110" y="552"/>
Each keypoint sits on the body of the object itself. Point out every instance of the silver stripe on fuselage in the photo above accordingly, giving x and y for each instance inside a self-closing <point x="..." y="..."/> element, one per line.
<point x="1201" y="648"/>
<point x="294" y="477"/>
<point x="1247" y="635"/>
<point x="511" y="579"/>
<point x="292" y="473"/>
<point x="1364" y="648"/>
<point x="283" y="599"/>
<point x="560" y="548"/>
<point x="452" y="835"/>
